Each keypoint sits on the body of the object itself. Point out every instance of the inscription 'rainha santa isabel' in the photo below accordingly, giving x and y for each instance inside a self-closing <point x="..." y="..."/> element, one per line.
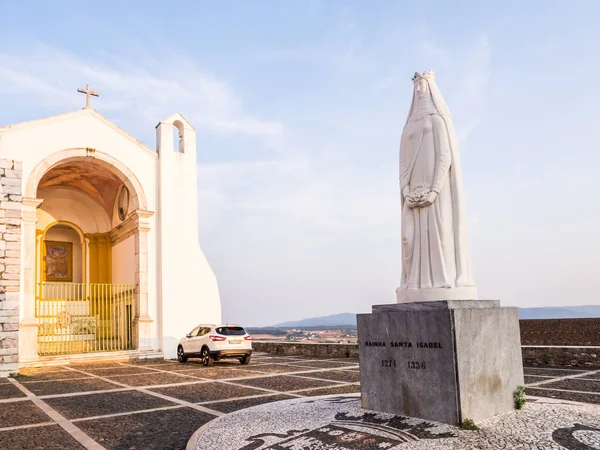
<point x="429" y="345"/>
<point x="397" y="344"/>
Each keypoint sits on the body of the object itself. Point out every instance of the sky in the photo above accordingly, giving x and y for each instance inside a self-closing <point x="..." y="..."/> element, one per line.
<point x="299" y="106"/>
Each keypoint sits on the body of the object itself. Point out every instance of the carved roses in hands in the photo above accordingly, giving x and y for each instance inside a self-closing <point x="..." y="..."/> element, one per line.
<point x="420" y="196"/>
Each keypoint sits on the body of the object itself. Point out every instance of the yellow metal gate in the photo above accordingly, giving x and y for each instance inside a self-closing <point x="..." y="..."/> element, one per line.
<point x="81" y="318"/>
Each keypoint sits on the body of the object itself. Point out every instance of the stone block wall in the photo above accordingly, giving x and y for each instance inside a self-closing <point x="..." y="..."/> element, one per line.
<point x="10" y="264"/>
<point x="301" y="349"/>
<point x="579" y="332"/>
<point x="532" y="356"/>
<point x="561" y="356"/>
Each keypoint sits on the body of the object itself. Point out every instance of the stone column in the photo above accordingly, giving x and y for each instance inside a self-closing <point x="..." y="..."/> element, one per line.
<point x="142" y="321"/>
<point x="10" y="264"/>
<point x="28" y="344"/>
<point x="87" y="260"/>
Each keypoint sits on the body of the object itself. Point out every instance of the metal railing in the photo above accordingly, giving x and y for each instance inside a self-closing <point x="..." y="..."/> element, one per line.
<point x="83" y="318"/>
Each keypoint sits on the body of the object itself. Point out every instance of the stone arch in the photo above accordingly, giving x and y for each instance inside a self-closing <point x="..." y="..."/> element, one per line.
<point x="90" y="214"/>
<point x="67" y="223"/>
<point x="179" y="132"/>
<point x="137" y="194"/>
<point x="137" y="225"/>
<point x="82" y="248"/>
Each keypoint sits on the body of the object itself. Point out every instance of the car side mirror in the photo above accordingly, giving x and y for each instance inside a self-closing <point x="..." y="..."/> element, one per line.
<point x="188" y="335"/>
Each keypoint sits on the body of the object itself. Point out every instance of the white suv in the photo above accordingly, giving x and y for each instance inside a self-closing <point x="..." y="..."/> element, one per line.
<point x="215" y="342"/>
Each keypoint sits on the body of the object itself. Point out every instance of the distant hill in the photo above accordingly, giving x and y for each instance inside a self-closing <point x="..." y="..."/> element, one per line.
<point x="560" y="312"/>
<point x="549" y="312"/>
<point x="325" y="321"/>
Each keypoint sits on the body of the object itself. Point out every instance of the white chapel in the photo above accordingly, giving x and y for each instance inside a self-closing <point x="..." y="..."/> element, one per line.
<point x="100" y="252"/>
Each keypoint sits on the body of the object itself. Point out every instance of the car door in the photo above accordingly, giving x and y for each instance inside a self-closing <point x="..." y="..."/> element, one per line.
<point x="202" y="337"/>
<point x="191" y="341"/>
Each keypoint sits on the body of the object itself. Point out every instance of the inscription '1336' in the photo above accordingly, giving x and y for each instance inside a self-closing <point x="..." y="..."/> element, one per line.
<point x="411" y="364"/>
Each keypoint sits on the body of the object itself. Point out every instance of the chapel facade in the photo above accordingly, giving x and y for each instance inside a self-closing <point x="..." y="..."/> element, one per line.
<point x="99" y="254"/>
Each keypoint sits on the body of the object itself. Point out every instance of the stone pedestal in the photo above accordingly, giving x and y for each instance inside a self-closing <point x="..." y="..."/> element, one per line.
<point x="445" y="361"/>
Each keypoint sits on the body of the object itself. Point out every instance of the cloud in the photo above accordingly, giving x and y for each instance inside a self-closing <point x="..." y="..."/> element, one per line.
<point x="298" y="192"/>
<point x="322" y="225"/>
<point x="144" y="88"/>
<point x="304" y="210"/>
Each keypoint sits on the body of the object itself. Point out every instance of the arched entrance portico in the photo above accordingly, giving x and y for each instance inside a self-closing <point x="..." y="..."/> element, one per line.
<point x="85" y="279"/>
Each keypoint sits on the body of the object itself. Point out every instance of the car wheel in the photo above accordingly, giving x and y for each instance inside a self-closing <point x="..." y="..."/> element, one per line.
<point x="180" y="355"/>
<point x="245" y="360"/>
<point x="206" y="359"/>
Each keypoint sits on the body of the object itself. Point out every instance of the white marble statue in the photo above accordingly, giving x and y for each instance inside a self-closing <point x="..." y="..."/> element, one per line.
<point x="435" y="254"/>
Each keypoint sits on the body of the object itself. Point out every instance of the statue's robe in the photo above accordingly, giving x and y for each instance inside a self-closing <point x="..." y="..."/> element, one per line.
<point x="434" y="241"/>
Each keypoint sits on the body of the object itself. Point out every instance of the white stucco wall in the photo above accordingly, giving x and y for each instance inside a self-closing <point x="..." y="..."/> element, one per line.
<point x="182" y="288"/>
<point x="123" y="262"/>
<point x="39" y="141"/>
<point x="33" y="141"/>
<point x="190" y="293"/>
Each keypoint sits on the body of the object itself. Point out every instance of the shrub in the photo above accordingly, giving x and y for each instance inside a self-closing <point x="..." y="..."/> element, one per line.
<point x="519" y="397"/>
<point x="468" y="424"/>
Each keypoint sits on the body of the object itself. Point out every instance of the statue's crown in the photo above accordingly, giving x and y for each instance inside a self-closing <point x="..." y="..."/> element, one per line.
<point x="427" y="75"/>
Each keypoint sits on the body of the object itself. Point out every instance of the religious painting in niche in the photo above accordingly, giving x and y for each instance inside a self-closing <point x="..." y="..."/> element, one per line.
<point x="123" y="204"/>
<point x="59" y="261"/>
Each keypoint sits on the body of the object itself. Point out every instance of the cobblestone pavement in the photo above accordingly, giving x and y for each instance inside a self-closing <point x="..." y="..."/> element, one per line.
<point x="160" y="404"/>
<point x="151" y="404"/>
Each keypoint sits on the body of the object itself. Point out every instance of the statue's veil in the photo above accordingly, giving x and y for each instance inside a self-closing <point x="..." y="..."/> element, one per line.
<point x="463" y="269"/>
<point x="436" y="97"/>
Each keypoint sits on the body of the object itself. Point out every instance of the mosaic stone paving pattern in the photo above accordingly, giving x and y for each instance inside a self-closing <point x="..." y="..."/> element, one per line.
<point x="339" y="423"/>
<point x="156" y="404"/>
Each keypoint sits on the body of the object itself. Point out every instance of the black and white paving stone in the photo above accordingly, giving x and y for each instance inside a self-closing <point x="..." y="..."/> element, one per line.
<point x="339" y="423"/>
<point x="326" y="423"/>
<point x="155" y="404"/>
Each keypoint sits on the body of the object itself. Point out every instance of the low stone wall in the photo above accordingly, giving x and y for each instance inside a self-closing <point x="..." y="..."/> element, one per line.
<point x="301" y="349"/>
<point x="10" y="264"/>
<point x="561" y="332"/>
<point x="561" y="356"/>
<point x="532" y="355"/>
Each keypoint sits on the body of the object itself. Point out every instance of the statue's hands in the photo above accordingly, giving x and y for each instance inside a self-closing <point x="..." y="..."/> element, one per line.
<point x="427" y="200"/>
<point x="405" y="191"/>
<point x="419" y="197"/>
<point x="411" y="202"/>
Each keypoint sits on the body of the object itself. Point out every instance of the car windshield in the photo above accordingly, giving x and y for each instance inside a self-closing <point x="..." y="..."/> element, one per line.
<point x="231" y="331"/>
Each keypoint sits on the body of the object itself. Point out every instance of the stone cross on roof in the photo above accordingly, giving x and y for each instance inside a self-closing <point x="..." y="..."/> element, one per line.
<point x="87" y="93"/>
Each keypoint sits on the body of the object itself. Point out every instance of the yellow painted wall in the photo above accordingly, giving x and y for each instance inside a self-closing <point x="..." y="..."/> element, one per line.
<point x="40" y="273"/>
<point x="100" y="256"/>
<point x="124" y="262"/>
<point x="100" y="261"/>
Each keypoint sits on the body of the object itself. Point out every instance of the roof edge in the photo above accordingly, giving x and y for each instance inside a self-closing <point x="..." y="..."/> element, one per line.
<point x="82" y="111"/>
